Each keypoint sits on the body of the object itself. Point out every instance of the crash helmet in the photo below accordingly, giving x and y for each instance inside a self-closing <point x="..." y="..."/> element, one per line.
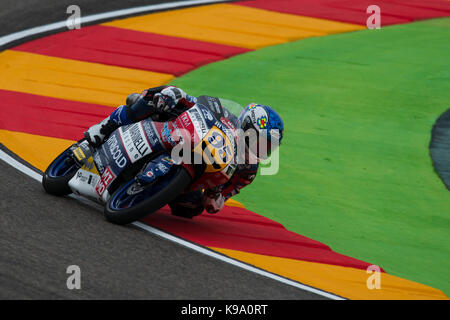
<point x="266" y="123"/>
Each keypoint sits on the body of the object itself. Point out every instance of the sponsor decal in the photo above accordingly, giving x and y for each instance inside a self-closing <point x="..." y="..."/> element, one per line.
<point x="81" y="176"/>
<point x="107" y="177"/>
<point x="119" y="112"/>
<point x="207" y="114"/>
<point x="86" y="177"/>
<point x="229" y="132"/>
<point x="198" y="121"/>
<point x="98" y="162"/>
<point x="185" y="120"/>
<point x="168" y="159"/>
<point x="116" y="152"/>
<point x="216" y="149"/>
<point x="262" y="122"/>
<point x="217" y="106"/>
<point x="252" y="115"/>
<point x="135" y="142"/>
<point x="227" y="123"/>
<point x="164" y="168"/>
<point x="151" y="134"/>
<point x="79" y="154"/>
<point x="166" y="135"/>
<point x="259" y="117"/>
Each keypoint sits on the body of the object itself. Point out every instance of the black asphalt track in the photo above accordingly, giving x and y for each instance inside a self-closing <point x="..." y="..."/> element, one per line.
<point x="41" y="235"/>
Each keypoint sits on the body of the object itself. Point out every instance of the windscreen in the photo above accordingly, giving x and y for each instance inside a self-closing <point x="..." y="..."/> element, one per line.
<point x="232" y="106"/>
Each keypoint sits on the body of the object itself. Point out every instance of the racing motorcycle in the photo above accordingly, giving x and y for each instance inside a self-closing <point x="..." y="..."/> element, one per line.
<point x="109" y="174"/>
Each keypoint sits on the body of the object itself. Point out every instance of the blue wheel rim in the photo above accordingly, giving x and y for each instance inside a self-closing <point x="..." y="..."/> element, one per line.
<point x="122" y="199"/>
<point x="59" y="167"/>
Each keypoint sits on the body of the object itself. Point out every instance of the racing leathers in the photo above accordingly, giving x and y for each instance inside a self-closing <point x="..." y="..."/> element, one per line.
<point x="160" y="104"/>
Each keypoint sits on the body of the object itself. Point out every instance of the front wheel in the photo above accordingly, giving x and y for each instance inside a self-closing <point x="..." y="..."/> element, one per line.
<point x="58" y="174"/>
<point x="132" y="202"/>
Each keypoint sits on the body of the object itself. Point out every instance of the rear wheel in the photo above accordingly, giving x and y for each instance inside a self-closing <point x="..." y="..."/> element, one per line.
<point x="58" y="174"/>
<point x="132" y="202"/>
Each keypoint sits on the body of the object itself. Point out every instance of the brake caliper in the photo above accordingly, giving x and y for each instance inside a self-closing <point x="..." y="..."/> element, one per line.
<point x="81" y="154"/>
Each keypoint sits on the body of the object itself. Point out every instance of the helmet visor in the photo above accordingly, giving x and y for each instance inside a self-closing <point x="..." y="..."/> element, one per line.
<point x="256" y="141"/>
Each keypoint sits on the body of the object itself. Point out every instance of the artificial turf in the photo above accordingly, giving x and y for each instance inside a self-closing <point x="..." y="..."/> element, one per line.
<point x="355" y="170"/>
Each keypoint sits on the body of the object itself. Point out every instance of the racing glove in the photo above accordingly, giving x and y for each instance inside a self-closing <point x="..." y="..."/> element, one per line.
<point x="168" y="98"/>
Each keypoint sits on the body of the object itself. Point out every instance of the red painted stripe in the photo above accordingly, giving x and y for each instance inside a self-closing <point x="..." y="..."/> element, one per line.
<point x="400" y="9"/>
<point x="240" y="229"/>
<point x="354" y="11"/>
<point x="442" y="5"/>
<point x="48" y="116"/>
<point x="130" y="49"/>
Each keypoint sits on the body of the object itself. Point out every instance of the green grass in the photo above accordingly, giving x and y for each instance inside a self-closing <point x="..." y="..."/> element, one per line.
<point x="355" y="169"/>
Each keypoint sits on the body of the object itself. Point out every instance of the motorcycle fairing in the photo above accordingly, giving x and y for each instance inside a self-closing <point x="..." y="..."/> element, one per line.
<point x="127" y="145"/>
<point x="131" y="143"/>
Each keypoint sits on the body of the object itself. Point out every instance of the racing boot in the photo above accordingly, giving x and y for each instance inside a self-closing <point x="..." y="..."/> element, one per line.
<point x="188" y="205"/>
<point x="96" y="134"/>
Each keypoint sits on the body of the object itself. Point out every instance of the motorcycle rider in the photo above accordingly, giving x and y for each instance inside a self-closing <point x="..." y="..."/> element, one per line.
<point x="167" y="99"/>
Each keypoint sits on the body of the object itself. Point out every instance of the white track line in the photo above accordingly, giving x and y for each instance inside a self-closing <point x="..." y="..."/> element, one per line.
<point x="22" y="168"/>
<point x="102" y="16"/>
<point x="33" y="174"/>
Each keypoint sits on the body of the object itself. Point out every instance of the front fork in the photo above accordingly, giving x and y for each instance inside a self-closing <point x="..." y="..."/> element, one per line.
<point x="86" y="180"/>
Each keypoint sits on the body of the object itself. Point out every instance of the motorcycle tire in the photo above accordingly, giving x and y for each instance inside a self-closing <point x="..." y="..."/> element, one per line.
<point x="168" y="188"/>
<point x="58" y="174"/>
